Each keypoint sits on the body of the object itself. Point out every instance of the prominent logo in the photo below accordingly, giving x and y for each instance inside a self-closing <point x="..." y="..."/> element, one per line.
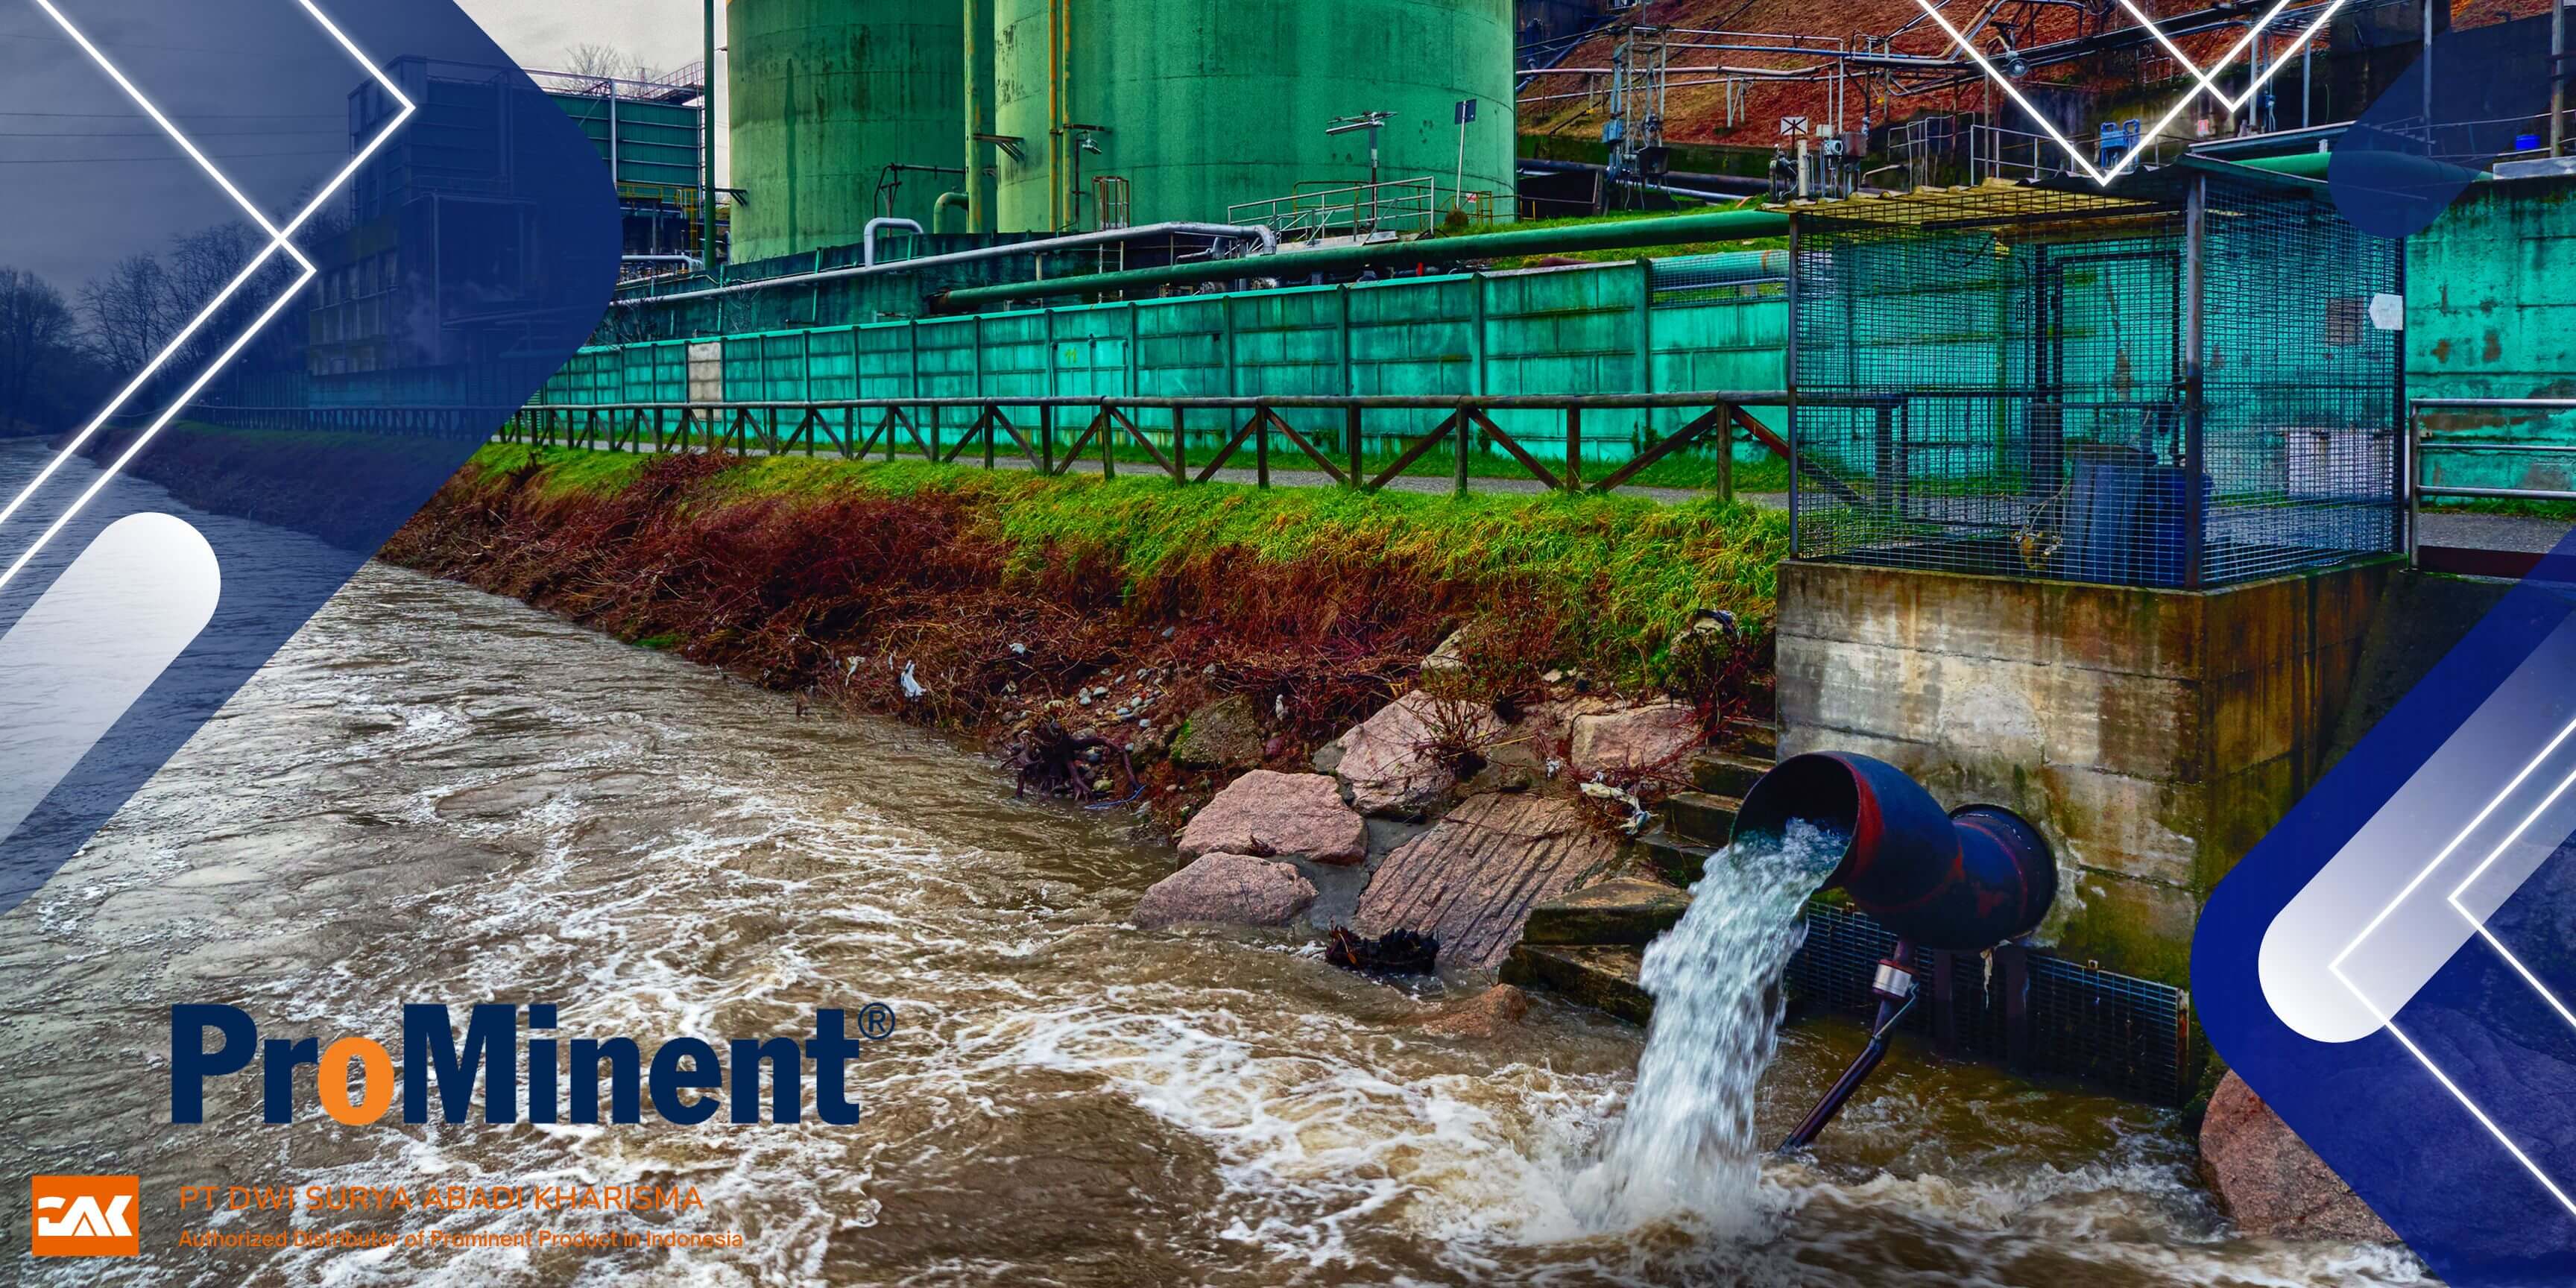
<point x="85" y="1216"/>
<point x="2205" y="80"/>
<point x="558" y="1080"/>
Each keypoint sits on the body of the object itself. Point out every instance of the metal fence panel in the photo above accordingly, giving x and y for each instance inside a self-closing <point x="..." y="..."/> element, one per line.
<point x="2074" y="385"/>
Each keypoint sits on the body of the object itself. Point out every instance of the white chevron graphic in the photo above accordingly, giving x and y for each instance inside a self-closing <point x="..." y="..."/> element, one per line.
<point x="280" y="240"/>
<point x="2205" y="81"/>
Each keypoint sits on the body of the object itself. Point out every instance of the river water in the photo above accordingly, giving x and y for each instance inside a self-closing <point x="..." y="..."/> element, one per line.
<point x="436" y="795"/>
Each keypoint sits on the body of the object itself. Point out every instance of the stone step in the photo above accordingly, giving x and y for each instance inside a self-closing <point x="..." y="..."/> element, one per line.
<point x="1628" y="910"/>
<point x="1725" y="773"/>
<point x="1601" y="976"/>
<point x="1755" y="739"/>
<point x="1673" y="858"/>
<point x="1701" y="818"/>
<point x="1762" y="695"/>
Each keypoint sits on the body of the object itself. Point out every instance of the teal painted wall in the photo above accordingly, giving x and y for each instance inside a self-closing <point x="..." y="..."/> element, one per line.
<point x="656" y="143"/>
<point x="2491" y="313"/>
<point x="1592" y="329"/>
<point x="1207" y="103"/>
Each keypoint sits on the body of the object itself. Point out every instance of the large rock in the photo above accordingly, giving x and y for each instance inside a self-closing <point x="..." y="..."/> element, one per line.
<point x="1270" y="814"/>
<point x="1632" y="738"/>
<point x="1472" y="878"/>
<point x="1224" y="734"/>
<point x="2272" y="1183"/>
<point x="1389" y="761"/>
<point x="1227" y="887"/>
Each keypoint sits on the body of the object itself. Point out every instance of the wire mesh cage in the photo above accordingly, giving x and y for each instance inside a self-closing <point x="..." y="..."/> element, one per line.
<point x="2180" y="381"/>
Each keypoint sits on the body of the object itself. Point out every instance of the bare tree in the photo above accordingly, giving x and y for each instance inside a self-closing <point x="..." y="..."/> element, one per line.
<point x="591" y="58"/>
<point x="41" y="366"/>
<point x="202" y="262"/>
<point x="131" y="313"/>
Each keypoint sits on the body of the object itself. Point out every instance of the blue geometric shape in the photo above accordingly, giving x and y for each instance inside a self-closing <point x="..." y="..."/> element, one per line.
<point x="2437" y="1084"/>
<point x="462" y="240"/>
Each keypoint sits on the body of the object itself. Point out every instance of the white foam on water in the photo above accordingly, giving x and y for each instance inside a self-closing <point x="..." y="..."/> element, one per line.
<point x="1309" y="1132"/>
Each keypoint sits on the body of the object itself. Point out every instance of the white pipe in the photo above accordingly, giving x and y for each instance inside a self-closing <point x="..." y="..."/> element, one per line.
<point x="1268" y="237"/>
<point x="868" y="235"/>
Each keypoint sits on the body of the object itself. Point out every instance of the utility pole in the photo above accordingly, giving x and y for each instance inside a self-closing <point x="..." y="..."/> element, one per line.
<point x="2557" y="77"/>
<point x="1458" y="190"/>
<point x="707" y="152"/>
<point x="1371" y="122"/>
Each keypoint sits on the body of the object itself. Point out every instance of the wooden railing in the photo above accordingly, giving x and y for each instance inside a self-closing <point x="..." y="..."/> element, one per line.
<point x="1036" y="429"/>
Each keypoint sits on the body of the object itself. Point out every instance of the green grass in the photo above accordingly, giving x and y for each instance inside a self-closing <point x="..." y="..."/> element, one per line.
<point x="2510" y="507"/>
<point x="1625" y="571"/>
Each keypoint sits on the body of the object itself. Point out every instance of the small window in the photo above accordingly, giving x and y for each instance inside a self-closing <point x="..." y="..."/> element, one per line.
<point x="2346" y="317"/>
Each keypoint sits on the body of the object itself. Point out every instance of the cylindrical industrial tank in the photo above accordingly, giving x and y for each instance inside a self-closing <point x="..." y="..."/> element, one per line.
<point x="824" y="95"/>
<point x="1203" y="104"/>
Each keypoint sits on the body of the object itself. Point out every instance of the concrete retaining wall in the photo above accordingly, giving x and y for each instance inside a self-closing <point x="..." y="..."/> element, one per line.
<point x="2154" y="735"/>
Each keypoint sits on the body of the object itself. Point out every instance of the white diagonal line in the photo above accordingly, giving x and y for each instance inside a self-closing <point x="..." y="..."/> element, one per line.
<point x="2336" y="966"/>
<point x="2475" y="1112"/>
<point x="2208" y="79"/>
<point x="2203" y="81"/>
<point x="205" y="315"/>
<point x="279" y="239"/>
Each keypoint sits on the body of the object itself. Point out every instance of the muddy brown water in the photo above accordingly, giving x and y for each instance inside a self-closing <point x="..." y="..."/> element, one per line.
<point x="435" y="795"/>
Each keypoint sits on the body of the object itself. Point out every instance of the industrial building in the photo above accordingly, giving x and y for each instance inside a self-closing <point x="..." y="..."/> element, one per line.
<point x="2166" y="395"/>
<point x="653" y="135"/>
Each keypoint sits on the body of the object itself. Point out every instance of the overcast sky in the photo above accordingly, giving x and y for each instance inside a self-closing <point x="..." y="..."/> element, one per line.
<point x="665" y="34"/>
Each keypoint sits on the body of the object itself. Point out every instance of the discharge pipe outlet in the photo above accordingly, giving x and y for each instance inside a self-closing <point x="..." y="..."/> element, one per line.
<point x="1963" y="881"/>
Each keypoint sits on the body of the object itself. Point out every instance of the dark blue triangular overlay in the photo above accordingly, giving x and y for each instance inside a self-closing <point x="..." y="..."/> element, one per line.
<point x="2379" y="1114"/>
<point x="453" y="270"/>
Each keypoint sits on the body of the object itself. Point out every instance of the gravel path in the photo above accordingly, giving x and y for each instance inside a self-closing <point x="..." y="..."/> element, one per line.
<point x="2490" y="532"/>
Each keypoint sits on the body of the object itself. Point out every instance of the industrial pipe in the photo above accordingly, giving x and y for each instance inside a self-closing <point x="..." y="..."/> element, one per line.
<point x="1964" y="881"/>
<point x="1268" y="237"/>
<point x="868" y="235"/>
<point x="1667" y="230"/>
<point x="940" y="206"/>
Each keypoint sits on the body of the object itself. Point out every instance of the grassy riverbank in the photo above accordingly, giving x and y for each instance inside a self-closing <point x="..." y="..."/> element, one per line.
<point x="1000" y="591"/>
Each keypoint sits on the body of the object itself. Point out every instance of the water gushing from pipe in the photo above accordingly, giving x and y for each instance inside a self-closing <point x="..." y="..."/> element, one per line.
<point x="1686" y="1145"/>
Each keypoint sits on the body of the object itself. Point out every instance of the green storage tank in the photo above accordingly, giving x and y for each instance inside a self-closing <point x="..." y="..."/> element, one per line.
<point x="1204" y="104"/>
<point x="825" y="94"/>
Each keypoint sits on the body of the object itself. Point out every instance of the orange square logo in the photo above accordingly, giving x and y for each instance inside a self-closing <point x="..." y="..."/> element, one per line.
<point x="86" y="1216"/>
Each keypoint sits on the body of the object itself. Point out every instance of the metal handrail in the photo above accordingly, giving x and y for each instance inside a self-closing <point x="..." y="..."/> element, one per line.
<point x="1315" y="213"/>
<point x="1382" y="402"/>
<point x="2411" y="470"/>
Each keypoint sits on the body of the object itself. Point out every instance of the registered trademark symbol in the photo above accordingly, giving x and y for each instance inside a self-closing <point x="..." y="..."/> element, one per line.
<point x="876" y="1021"/>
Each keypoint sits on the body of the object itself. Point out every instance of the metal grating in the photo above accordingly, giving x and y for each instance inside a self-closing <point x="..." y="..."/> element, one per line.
<point x="2115" y="1030"/>
<point x="2002" y="380"/>
<point x="2124" y="1034"/>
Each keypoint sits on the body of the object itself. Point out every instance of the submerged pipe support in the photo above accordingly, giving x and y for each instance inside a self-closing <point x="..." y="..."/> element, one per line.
<point x="1894" y="989"/>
